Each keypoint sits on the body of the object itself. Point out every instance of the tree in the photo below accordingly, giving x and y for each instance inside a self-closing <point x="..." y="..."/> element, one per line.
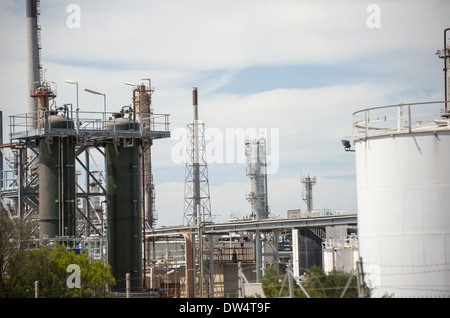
<point x="12" y="255"/>
<point x="270" y="283"/>
<point x="20" y="268"/>
<point x="49" y="266"/>
<point x="321" y="285"/>
<point x="317" y="284"/>
<point x="273" y="283"/>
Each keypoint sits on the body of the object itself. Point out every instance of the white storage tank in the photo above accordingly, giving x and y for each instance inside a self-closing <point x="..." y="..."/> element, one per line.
<point x="403" y="190"/>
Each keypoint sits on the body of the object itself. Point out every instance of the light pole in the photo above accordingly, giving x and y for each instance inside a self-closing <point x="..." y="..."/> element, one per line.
<point x="104" y="101"/>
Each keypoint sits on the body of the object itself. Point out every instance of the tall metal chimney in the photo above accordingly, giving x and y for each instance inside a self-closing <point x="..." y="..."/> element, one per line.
<point x="34" y="66"/>
<point x="195" y="103"/>
<point x="196" y="184"/>
<point x="197" y="206"/>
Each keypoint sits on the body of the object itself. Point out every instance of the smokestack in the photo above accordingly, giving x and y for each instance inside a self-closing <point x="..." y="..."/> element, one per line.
<point x="195" y="103"/>
<point x="196" y="168"/>
<point x="34" y="71"/>
<point x="197" y="205"/>
<point x="194" y="96"/>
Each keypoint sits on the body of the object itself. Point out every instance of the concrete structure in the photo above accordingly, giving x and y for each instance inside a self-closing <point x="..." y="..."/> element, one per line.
<point x="340" y="250"/>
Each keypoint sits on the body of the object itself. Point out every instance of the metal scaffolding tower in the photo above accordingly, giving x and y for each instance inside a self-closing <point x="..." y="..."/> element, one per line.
<point x="197" y="205"/>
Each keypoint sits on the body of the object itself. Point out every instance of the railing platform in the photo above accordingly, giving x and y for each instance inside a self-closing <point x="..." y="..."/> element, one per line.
<point x="88" y="125"/>
<point x="400" y="119"/>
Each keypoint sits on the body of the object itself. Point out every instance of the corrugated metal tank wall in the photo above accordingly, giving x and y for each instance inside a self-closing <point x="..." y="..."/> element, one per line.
<point x="403" y="188"/>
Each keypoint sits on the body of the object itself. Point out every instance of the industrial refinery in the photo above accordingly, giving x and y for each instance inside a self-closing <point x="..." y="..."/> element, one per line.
<point x="51" y="176"/>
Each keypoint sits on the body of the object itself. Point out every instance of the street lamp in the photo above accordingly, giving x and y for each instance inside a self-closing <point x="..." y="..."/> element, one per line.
<point x="76" y="83"/>
<point x="102" y="214"/>
<point x="347" y="145"/>
<point x="104" y="101"/>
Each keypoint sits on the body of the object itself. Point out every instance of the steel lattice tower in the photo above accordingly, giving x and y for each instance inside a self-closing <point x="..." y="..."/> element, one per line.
<point x="197" y="205"/>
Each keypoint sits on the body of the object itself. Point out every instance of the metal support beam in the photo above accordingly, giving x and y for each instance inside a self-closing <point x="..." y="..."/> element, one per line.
<point x="266" y="225"/>
<point x="258" y="255"/>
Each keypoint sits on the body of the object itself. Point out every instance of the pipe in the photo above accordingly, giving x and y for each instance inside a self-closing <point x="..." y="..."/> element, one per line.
<point x="127" y="279"/>
<point x="1" y="153"/>
<point x="143" y="223"/>
<point x="258" y="255"/>
<point x="196" y="163"/>
<point x="194" y="98"/>
<point x="445" y="68"/>
<point x="189" y="266"/>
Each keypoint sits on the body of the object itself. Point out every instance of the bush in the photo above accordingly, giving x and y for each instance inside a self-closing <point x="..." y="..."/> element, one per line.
<point x="49" y="266"/>
<point x="317" y="284"/>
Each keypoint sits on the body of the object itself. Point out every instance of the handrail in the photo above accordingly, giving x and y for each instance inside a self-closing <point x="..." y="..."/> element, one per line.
<point x="29" y="124"/>
<point x="396" y="105"/>
<point x="399" y="119"/>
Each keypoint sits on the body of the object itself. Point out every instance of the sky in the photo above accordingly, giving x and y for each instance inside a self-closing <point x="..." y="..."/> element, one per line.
<point x="295" y="70"/>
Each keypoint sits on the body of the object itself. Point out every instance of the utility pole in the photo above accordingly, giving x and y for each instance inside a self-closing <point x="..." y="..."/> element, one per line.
<point x="360" y="278"/>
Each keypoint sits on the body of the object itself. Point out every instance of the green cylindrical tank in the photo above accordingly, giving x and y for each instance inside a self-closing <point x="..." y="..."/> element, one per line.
<point x="124" y="221"/>
<point x="57" y="181"/>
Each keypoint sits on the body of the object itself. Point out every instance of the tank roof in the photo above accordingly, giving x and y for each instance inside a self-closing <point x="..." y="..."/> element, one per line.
<point x="400" y="119"/>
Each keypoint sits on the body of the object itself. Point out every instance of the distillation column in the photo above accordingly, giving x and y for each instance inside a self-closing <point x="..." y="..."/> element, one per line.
<point x="123" y="179"/>
<point x="56" y="171"/>
<point x="255" y="151"/>
<point x="257" y="172"/>
<point x="143" y="111"/>
<point x="308" y="183"/>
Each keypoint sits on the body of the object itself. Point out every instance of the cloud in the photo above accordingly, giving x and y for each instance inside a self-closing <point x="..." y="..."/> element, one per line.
<point x="229" y="199"/>
<point x="311" y="123"/>
<point x="212" y="45"/>
<point x="209" y="35"/>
